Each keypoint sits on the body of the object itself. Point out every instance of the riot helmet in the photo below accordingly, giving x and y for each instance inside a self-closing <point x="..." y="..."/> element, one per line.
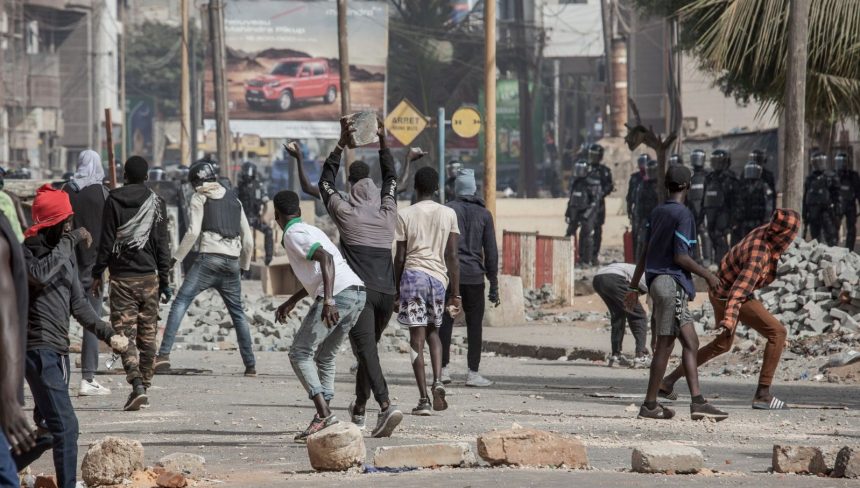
<point x="752" y="170"/>
<point x="580" y="169"/>
<point x="157" y="174"/>
<point x="721" y="160"/>
<point x="819" y="161"/>
<point x="181" y="173"/>
<point x="758" y="156"/>
<point x="652" y="170"/>
<point x="697" y="159"/>
<point x="67" y="176"/>
<point x="642" y="161"/>
<point x="841" y="161"/>
<point x="595" y="154"/>
<point x="249" y="171"/>
<point x="203" y="171"/>
<point x="676" y="160"/>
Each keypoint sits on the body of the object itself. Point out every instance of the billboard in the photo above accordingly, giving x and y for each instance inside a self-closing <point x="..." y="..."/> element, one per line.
<point x="282" y="66"/>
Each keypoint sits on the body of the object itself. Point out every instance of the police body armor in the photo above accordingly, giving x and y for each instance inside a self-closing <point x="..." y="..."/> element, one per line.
<point x="846" y="191"/>
<point x="715" y="194"/>
<point x="819" y="190"/>
<point x="223" y="216"/>
<point x="647" y="199"/>
<point x="697" y="191"/>
<point x="251" y="195"/>
<point x="595" y="186"/>
<point x="754" y="198"/>
<point x="579" y="195"/>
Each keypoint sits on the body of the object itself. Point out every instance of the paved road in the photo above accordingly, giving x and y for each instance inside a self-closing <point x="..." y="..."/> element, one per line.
<point x="244" y="426"/>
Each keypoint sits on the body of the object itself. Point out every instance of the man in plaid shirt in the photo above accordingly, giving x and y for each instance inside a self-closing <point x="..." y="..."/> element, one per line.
<point x="749" y="266"/>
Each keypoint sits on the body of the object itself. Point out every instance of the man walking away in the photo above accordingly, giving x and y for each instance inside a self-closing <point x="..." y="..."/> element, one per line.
<point x="339" y="297"/>
<point x="849" y="194"/>
<point x="253" y="197"/>
<point x="610" y="283"/>
<point x="226" y="248"/>
<point x="366" y="223"/>
<point x="479" y="258"/>
<point x="87" y="195"/>
<point x="56" y="292"/>
<point x="668" y="263"/>
<point x="134" y="248"/>
<point x="749" y="266"/>
<point x="426" y="263"/>
<point x="18" y="436"/>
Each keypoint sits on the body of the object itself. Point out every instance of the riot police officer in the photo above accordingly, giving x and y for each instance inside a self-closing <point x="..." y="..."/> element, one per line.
<point x="581" y="211"/>
<point x="719" y="201"/>
<point x="632" y="189"/>
<point x="760" y="157"/>
<point x="601" y="177"/>
<point x="695" y="200"/>
<point x="849" y="194"/>
<point x="754" y="198"/>
<point x="676" y="160"/>
<point x="253" y="197"/>
<point x="820" y="199"/>
<point x="647" y="199"/>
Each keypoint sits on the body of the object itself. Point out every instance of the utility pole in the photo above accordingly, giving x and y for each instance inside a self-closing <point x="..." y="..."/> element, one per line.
<point x="343" y="57"/>
<point x="123" y="15"/>
<point x="490" y="106"/>
<point x="195" y="94"/>
<point x="795" y="105"/>
<point x="184" y="95"/>
<point x="222" y="123"/>
<point x="527" y="164"/>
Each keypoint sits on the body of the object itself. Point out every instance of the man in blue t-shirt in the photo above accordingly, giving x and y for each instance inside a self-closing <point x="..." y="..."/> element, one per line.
<point x="668" y="263"/>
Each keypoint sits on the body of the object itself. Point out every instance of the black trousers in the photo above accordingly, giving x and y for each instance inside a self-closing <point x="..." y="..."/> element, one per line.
<point x="719" y="230"/>
<point x="850" y="215"/>
<point x="612" y="290"/>
<point x="822" y="224"/>
<point x="364" y="335"/>
<point x="473" y="307"/>
<point x="268" y="243"/>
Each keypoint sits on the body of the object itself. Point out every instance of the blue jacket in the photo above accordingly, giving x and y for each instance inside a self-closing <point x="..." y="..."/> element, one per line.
<point x="479" y="255"/>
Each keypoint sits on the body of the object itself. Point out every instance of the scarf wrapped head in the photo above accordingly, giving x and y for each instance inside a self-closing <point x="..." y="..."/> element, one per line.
<point x="90" y="170"/>
<point x="50" y="207"/>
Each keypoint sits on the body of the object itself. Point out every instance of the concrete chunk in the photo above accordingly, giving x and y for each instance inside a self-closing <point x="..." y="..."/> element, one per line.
<point x="531" y="447"/>
<point x="667" y="458"/>
<point x="189" y="464"/>
<point x="424" y="456"/>
<point x="847" y="463"/>
<point x="337" y="448"/>
<point x="111" y="460"/>
<point x="798" y="459"/>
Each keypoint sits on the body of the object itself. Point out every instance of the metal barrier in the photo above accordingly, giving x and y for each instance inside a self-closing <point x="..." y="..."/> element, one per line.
<point x="540" y="260"/>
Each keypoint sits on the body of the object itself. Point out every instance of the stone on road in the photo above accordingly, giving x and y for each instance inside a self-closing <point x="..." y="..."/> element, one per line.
<point x="170" y="479"/>
<point x="337" y="448"/>
<point x="667" y="458"/>
<point x="424" y="456"/>
<point x="111" y="460"/>
<point x="531" y="447"/>
<point x="847" y="463"/>
<point x="798" y="459"/>
<point x="192" y="465"/>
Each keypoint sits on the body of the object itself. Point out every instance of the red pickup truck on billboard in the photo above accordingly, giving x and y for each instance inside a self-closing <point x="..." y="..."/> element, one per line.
<point x="292" y="80"/>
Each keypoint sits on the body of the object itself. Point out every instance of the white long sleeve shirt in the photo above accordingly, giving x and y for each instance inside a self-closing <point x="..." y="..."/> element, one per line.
<point x="210" y="242"/>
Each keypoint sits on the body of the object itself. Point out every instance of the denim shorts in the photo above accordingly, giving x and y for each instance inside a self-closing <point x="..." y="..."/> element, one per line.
<point x="670" y="310"/>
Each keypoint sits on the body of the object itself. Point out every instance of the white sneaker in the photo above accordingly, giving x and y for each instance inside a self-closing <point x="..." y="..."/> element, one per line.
<point x="445" y="377"/>
<point x="92" y="388"/>
<point x="476" y="380"/>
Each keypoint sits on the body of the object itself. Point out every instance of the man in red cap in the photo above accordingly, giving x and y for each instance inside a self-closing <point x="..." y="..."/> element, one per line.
<point x="55" y="293"/>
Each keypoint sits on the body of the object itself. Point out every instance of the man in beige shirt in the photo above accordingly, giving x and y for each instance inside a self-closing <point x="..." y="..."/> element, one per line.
<point x="425" y="264"/>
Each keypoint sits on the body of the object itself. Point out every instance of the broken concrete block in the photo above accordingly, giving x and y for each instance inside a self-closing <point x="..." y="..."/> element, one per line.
<point x="667" y="458"/>
<point x="838" y="313"/>
<point x="110" y="460"/>
<point x="192" y="465"/>
<point x="337" y="448"/>
<point x="424" y="456"/>
<point x="847" y="463"/>
<point x="170" y="479"/>
<point x="531" y="447"/>
<point x="798" y="459"/>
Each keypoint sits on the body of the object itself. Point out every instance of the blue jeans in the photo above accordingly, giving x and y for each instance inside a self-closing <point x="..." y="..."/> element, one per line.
<point x="223" y="274"/>
<point x="47" y="373"/>
<point x="8" y="471"/>
<point x="315" y="345"/>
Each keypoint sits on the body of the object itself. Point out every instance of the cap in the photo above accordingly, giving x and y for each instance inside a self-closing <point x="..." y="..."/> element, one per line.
<point x="678" y="176"/>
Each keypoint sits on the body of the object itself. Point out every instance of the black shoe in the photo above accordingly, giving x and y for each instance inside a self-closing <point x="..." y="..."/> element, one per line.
<point x="701" y="411"/>
<point x="136" y="399"/>
<point x="423" y="408"/>
<point x="439" y="402"/>
<point x="659" y="412"/>
<point x="387" y="421"/>
<point x="250" y="371"/>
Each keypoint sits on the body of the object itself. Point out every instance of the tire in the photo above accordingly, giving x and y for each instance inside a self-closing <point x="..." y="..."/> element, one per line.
<point x="330" y="95"/>
<point x="286" y="101"/>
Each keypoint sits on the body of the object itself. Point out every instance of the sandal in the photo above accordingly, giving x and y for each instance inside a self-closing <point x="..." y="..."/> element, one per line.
<point x="774" y="404"/>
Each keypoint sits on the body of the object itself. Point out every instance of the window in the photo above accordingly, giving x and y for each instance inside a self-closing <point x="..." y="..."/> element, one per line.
<point x="306" y="70"/>
<point x="319" y="70"/>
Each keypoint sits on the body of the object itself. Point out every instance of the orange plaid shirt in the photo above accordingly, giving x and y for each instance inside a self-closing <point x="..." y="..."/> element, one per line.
<point x="752" y="263"/>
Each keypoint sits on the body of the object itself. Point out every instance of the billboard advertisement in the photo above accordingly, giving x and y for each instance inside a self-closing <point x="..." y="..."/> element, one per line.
<point x="282" y="66"/>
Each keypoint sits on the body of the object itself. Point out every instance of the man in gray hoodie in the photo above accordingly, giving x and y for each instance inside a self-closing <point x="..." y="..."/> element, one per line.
<point x="366" y="222"/>
<point x="226" y="247"/>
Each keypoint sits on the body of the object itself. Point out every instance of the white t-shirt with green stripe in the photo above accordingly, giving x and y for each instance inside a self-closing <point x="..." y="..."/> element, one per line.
<point x="301" y="242"/>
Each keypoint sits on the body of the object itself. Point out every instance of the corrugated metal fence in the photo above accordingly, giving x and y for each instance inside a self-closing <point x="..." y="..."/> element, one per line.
<point x="540" y="260"/>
